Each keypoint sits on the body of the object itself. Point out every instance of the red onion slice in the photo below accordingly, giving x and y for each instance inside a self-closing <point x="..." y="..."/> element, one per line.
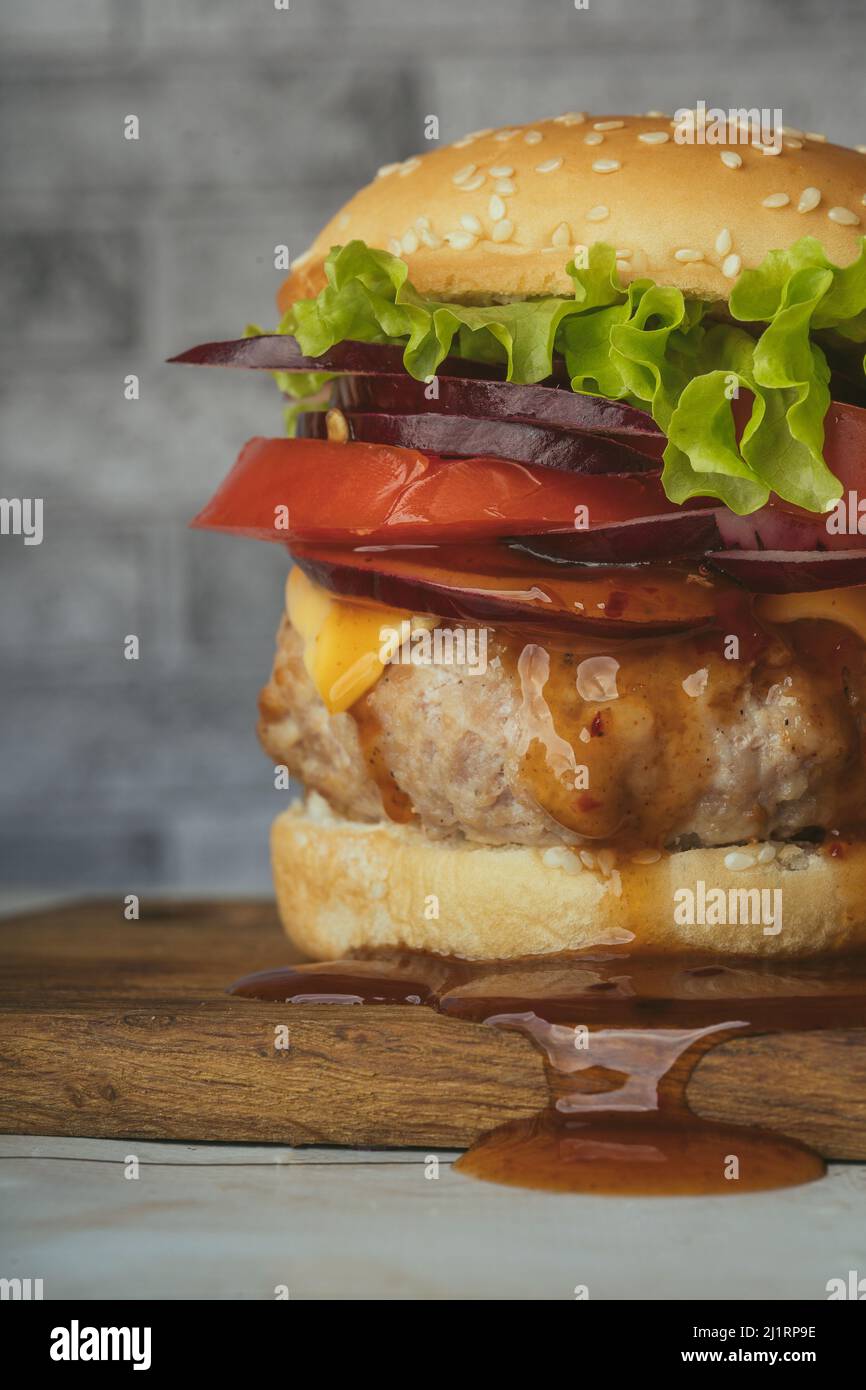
<point x="457" y="436"/>
<point x="554" y="407"/>
<point x="790" y="572"/>
<point x="612" y="602"/>
<point x="280" y="352"/>
<point x="378" y="380"/>
<point x="687" y="533"/>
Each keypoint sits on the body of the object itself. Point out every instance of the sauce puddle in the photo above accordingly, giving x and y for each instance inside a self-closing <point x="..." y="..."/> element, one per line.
<point x="620" y="1036"/>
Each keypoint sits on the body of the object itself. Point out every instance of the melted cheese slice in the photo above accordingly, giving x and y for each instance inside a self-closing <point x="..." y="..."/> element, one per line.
<point x="342" y="640"/>
<point x="845" y="606"/>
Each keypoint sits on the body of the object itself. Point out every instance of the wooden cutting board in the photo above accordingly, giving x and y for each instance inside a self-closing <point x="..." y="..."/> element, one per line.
<point x="118" y="1029"/>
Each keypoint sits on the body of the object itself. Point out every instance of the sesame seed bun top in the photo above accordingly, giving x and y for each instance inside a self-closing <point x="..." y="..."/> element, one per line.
<point x="499" y="213"/>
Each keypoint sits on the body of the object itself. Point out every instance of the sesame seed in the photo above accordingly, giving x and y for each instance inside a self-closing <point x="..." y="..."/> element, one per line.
<point x="738" y="860"/>
<point x="615" y="883"/>
<point x="496" y="208"/>
<point x="791" y="130"/>
<point x="731" y="266"/>
<point x="561" y="235"/>
<point x="776" y="200"/>
<point x="549" y="166"/>
<point x="646" y="856"/>
<point x="410" y="242"/>
<point x="503" y="230"/>
<point x="766" y="854"/>
<point x="608" y="125"/>
<point x="558" y="857"/>
<point x="606" y="860"/>
<point x="386" y="169"/>
<point x="593" y="138"/>
<point x="394" y="246"/>
<point x="793" y="144"/>
<point x="624" y="253"/>
<point x="687" y="254"/>
<point x="587" y="858"/>
<point x="809" y="199"/>
<point x="696" y="683"/>
<point x="816" y="135"/>
<point x="337" y="427"/>
<point x="533" y="137"/>
<point x="463" y="174"/>
<point x="654" y="137"/>
<point x="500" y="171"/>
<point x="460" y="241"/>
<point x="470" y="185"/>
<point x="861" y="149"/>
<point x="844" y="216"/>
<point x="724" y="242"/>
<point x="768" y="149"/>
<point x="506" y="134"/>
<point x="656" y="115"/>
<point x="606" y="166"/>
<point x="505" y="186"/>
<point x="598" y="214"/>
<point x="793" y="857"/>
<point x="462" y="144"/>
<point x="422" y="222"/>
<point x="409" y="166"/>
<point x="430" y="238"/>
<point x="731" y="159"/>
<point x="479" y="134"/>
<point x="470" y="223"/>
<point x="570" y="118"/>
<point x="620" y="265"/>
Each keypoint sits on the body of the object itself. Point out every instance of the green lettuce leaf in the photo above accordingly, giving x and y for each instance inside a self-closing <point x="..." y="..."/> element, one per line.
<point x="798" y="293"/>
<point x="645" y="344"/>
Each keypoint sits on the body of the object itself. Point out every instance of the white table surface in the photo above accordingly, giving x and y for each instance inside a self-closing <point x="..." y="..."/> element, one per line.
<point x="224" y="1222"/>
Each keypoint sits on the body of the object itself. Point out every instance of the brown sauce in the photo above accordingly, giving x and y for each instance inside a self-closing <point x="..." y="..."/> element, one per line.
<point x="618" y="1122"/>
<point x="614" y="791"/>
<point x="620" y="1036"/>
<point x="395" y="802"/>
<point x="663" y="1156"/>
<point x="613" y="788"/>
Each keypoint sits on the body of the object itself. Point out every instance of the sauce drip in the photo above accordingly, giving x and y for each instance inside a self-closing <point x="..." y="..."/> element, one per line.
<point x="627" y="1130"/>
<point x="395" y="802"/>
<point x="620" y="1036"/>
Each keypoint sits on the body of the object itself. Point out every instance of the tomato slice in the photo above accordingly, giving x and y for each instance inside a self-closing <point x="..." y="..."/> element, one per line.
<point x="319" y="491"/>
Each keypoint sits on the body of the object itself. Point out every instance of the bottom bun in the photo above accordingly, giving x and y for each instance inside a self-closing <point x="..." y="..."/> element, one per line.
<point x="343" y="886"/>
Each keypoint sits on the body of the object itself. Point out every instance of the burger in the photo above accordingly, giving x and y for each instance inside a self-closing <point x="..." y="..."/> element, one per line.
<point x="574" y="645"/>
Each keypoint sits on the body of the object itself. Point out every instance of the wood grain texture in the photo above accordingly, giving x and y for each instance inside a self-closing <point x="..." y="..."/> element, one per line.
<point x="116" y="1029"/>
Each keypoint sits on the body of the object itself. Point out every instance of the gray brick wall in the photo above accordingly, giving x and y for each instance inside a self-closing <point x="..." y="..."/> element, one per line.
<point x="256" y="124"/>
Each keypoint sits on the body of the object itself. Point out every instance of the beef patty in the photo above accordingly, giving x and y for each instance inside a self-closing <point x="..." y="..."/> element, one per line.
<point x="655" y="744"/>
